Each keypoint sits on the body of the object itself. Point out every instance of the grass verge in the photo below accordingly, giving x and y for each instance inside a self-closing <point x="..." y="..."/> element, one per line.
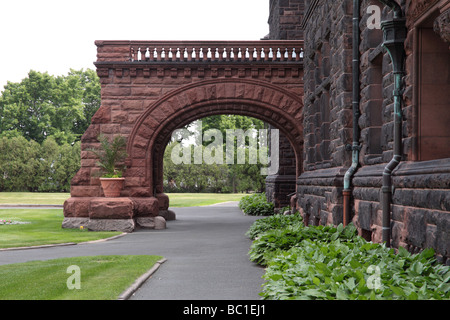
<point x="39" y="198"/>
<point x="41" y="227"/>
<point x="201" y="199"/>
<point x="176" y="199"/>
<point x="101" y="277"/>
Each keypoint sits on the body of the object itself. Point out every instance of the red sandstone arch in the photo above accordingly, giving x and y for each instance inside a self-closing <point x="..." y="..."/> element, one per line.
<point x="152" y="131"/>
<point x="145" y="101"/>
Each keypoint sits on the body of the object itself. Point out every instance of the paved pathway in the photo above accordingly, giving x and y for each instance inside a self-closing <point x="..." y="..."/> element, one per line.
<point x="206" y="251"/>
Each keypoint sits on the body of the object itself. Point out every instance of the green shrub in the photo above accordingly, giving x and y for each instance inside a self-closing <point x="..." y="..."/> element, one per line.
<point x="277" y="221"/>
<point x="256" y="205"/>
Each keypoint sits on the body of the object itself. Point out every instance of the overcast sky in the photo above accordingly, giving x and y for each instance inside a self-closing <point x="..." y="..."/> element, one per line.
<point x="56" y="35"/>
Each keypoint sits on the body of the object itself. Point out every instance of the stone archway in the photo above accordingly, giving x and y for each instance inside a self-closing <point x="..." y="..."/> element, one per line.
<point x="146" y="101"/>
<point x="152" y="132"/>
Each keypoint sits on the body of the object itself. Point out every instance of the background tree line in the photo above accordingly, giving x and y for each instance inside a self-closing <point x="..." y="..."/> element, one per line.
<point x="43" y="117"/>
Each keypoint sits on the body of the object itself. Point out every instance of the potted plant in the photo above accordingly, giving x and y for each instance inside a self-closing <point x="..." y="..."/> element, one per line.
<point x="111" y="156"/>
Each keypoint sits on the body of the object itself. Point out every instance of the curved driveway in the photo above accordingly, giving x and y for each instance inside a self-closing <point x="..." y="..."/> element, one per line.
<point x="206" y="251"/>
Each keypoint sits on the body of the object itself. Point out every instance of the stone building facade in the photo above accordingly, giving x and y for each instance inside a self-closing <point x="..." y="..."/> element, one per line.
<point x="344" y="88"/>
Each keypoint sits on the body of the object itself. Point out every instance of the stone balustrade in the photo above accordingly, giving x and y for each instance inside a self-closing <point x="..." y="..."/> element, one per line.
<point x="200" y="51"/>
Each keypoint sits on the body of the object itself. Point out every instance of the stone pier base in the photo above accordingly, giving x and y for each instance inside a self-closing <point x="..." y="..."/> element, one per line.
<point x="115" y="214"/>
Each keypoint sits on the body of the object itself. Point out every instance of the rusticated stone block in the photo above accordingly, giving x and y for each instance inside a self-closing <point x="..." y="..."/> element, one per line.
<point x="145" y="207"/>
<point x="135" y="192"/>
<point x="91" y="134"/>
<point x="82" y="177"/>
<point x="112" y="91"/>
<point x="103" y="115"/>
<point x="442" y="233"/>
<point x="85" y="191"/>
<point x="77" y="207"/>
<point x="111" y="208"/>
<point x="157" y="223"/>
<point x="364" y="212"/>
<point x="74" y="223"/>
<point x="123" y="225"/>
<point x="168" y="215"/>
<point x="163" y="200"/>
<point x="415" y="227"/>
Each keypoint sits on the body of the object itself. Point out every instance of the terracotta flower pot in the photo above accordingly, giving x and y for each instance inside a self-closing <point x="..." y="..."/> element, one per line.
<point x="112" y="186"/>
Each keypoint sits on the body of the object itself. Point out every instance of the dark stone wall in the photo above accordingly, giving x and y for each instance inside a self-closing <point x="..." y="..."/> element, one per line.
<point x="284" y="24"/>
<point x="420" y="197"/>
<point x="421" y="189"/>
<point x="285" y="19"/>
<point x="327" y="110"/>
<point x="420" y="210"/>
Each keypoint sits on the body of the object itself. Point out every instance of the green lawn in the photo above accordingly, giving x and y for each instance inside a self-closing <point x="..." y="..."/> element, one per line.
<point x="33" y="198"/>
<point x="201" y="199"/>
<point x="104" y="277"/>
<point x="100" y="278"/>
<point x="43" y="227"/>
<point x="176" y="199"/>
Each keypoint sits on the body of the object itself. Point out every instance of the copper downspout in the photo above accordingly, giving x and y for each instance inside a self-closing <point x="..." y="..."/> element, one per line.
<point x="355" y="147"/>
<point x="394" y="35"/>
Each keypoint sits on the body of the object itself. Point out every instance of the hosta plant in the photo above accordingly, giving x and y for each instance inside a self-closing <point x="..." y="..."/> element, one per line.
<point x="354" y="270"/>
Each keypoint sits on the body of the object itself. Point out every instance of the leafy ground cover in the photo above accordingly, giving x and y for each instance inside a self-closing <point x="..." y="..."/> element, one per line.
<point x="276" y="221"/>
<point x="100" y="277"/>
<point x="334" y="263"/>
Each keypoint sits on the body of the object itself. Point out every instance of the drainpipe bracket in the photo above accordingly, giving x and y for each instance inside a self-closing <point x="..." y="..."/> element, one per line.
<point x="352" y="147"/>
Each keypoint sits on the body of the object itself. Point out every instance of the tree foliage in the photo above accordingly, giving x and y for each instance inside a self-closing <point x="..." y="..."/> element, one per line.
<point x="43" y="106"/>
<point x="28" y="166"/>
<point x="42" y="119"/>
<point x="215" y="177"/>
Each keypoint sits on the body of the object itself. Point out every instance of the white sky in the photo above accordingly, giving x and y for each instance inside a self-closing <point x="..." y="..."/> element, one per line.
<point x="56" y="35"/>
